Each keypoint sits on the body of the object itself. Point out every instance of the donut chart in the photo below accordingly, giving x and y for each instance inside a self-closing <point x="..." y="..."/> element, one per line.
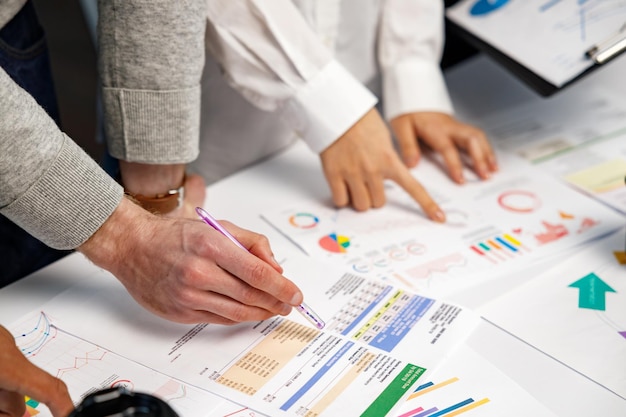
<point x="304" y="220"/>
<point x="519" y="201"/>
<point x="334" y="243"/>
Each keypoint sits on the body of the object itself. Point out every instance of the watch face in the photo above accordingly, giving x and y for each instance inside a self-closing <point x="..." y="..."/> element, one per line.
<point x="121" y="402"/>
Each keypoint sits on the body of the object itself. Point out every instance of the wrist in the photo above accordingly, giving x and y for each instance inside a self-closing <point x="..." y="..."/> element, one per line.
<point x="104" y="247"/>
<point x="160" y="189"/>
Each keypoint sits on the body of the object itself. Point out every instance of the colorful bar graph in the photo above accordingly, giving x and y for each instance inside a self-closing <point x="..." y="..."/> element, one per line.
<point x="423" y="402"/>
<point x="499" y="248"/>
<point x="426" y="388"/>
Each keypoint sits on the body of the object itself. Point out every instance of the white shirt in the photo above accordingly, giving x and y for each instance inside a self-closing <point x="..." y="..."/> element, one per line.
<point x="311" y="69"/>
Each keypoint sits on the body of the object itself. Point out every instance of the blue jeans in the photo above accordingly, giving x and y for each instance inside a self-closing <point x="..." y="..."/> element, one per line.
<point x="24" y="56"/>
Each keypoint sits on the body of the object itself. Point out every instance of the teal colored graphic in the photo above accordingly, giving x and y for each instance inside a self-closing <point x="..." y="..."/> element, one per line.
<point x="483" y="7"/>
<point x="592" y="293"/>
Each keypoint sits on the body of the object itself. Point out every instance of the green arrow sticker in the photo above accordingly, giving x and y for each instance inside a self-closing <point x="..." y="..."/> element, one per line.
<point x="592" y="293"/>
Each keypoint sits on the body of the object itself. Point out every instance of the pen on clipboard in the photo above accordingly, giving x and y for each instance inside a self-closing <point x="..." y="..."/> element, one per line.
<point x="606" y="50"/>
<point x="303" y="309"/>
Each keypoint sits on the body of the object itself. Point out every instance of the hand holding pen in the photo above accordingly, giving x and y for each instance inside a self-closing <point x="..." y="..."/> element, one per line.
<point x="185" y="272"/>
<point x="303" y="309"/>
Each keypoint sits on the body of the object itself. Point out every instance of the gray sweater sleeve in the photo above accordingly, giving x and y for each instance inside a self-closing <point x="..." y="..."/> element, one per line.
<point x="48" y="185"/>
<point x="151" y="58"/>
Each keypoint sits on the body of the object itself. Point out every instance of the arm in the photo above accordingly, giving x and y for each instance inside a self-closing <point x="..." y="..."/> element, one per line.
<point x="415" y="94"/>
<point x="176" y="268"/>
<point x="187" y="272"/>
<point x="50" y="187"/>
<point x="151" y="56"/>
<point x="270" y="54"/>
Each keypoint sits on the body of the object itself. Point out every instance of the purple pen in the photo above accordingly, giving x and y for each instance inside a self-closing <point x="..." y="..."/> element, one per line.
<point x="303" y="309"/>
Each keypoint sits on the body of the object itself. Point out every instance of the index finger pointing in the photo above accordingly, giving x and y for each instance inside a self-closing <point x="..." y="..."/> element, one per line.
<point x="405" y="180"/>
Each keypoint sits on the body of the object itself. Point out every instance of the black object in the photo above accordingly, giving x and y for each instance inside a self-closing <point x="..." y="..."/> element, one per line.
<point x="120" y="402"/>
<point x="528" y="77"/>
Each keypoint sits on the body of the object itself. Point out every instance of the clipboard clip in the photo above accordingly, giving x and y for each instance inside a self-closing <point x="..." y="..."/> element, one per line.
<point x="608" y="49"/>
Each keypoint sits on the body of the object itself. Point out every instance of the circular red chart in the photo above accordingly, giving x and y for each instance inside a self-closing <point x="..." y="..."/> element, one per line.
<point x="519" y="201"/>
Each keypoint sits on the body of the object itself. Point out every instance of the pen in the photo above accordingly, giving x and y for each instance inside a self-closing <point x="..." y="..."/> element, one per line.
<point x="303" y="309"/>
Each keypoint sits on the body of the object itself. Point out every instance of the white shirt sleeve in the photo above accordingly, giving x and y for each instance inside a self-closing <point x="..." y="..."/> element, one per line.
<point x="410" y="47"/>
<point x="272" y="57"/>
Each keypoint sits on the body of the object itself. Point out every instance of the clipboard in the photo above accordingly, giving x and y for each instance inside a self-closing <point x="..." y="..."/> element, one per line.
<point x="486" y="24"/>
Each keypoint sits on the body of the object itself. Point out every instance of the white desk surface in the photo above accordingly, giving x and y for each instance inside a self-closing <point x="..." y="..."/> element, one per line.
<point x="478" y="87"/>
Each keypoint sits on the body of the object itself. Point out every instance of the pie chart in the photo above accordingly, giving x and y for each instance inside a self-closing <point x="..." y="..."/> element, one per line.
<point x="483" y="7"/>
<point x="334" y="243"/>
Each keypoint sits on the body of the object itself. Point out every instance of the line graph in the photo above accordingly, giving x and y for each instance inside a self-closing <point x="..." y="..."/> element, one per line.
<point x="32" y="340"/>
<point x="85" y="367"/>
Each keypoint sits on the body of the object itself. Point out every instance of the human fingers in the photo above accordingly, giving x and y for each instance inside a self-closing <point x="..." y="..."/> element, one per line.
<point x="259" y="275"/>
<point x="233" y="300"/>
<point x="225" y="280"/>
<point x="46" y="389"/>
<point x="257" y="244"/>
<point x="11" y="404"/>
<point x="346" y="180"/>
<point x="331" y="164"/>
<point x="349" y="186"/>
<point x="406" y="137"/>
<point x="374" y="181"/>
<point x="436" y="130"/>
<point x="401" y="175"/>
<point x="475" y="144"/>
<point x="19" y="377"/>
<point x="191" y="258"/>
<point x="360" y="197"/>
<point x="445" y="147"/>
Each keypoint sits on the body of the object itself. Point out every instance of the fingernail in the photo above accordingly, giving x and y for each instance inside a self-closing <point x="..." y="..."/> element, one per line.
<point x="297" y="299"/>
<point x="439" y="216"/>
<point x="285" y="310"/>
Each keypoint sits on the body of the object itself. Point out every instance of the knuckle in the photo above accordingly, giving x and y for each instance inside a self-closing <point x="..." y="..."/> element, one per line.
<point x="59" y="387"/>
<point x="249" y="296"/>
<point x="262" y="239"/>
<point x="371" y="170"/>
<point x="239" y="314"/>
<point x="257" y="274"/>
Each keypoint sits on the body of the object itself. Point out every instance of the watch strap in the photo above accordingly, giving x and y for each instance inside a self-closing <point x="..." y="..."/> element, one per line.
<point x="161" y="203"/>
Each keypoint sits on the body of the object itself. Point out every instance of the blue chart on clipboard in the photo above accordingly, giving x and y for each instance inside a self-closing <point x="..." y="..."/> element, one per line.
<point x="483" y="7"/>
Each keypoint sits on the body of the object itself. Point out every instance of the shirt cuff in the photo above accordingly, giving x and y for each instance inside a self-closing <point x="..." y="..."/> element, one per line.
<point x="327" y="106"/>
<point x="153" y="127"/>
<point x="413" y="86"/>
<point x="69" y="202"/>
